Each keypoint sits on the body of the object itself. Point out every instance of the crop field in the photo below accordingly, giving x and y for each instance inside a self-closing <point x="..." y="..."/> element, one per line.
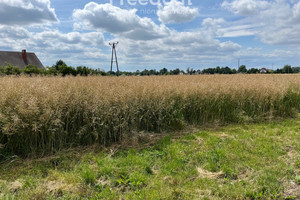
<point x="42" y="115"/>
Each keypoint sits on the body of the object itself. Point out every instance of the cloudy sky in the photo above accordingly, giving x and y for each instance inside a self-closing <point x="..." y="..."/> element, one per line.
<point x="154" y="33"/>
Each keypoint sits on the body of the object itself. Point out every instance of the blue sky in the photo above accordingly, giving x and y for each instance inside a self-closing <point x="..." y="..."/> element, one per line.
<point x="154" y="33"/>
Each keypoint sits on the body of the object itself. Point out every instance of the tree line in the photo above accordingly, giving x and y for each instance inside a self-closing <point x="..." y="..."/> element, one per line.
<point x="62" y="69"/>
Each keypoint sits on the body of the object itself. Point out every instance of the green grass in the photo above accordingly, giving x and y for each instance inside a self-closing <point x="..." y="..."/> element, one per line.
<point x="256" y="161"/>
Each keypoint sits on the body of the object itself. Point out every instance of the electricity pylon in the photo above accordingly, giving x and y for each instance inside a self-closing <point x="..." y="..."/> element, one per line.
<point x="114" y="53"/>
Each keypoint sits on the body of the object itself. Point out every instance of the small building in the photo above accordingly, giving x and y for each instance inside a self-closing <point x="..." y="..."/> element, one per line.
<point x="263" y="71"/>
<point x="19" y="59"/>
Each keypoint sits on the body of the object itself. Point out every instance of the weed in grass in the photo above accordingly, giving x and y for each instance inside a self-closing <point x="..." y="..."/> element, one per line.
<point x="88" y="175"/>
<point x="290" y="172"/>
<point x="290" y="198"/>
<point x="29" y="182"/>
<point x="123" y="180"/>
<point x="229" y="173"/>
<point x="163" y="143"/>
<point x="149" y="170"/>
<point x="297" y="163"/>
<point x="106" y="193"/>
<point x="297" y="179"/>
<point x="269" y="185"/>
<point x="137" y="180"/>
<point x="214" y="160"/>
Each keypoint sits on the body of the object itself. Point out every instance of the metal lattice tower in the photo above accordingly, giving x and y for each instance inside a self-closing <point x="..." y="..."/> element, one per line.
<point x="114" y="54"/>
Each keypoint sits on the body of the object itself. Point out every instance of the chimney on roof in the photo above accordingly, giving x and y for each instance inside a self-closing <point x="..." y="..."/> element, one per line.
<point x="24" y="56"/>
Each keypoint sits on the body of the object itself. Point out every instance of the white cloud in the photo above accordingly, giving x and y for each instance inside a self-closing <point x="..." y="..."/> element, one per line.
<point x="237" y="33"/>
<point x="245" y="7"/>
<point x="272" y="56"/>
<point x="296" y="11"/>
<point x="71" y="38"/>
<point x="276" y="22"/>
<point x="50" y="45"/>
<point x="143" y="42"/>
<point x="209" y="22"/>
<point x="237" y="30"/>
<point x="213" y="26"/>
<point x="115" y="20"/>
<point x="26" y="12"/>
<point x="179" y="48"/>
<point x="13" y="32"/>
<point x="175" y="12"/>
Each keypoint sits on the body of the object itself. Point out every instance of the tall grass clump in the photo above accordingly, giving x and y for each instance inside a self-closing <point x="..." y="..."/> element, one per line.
<point x="40" y="115"/>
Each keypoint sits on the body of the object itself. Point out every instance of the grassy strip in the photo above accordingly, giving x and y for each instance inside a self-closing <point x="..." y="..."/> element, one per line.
<point x="259" y="161"/>
<point x="44" y="115"/>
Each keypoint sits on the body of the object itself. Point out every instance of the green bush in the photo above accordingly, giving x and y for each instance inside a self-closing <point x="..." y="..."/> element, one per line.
<point x="31" y="69"/>
<point x="10" y="69"/>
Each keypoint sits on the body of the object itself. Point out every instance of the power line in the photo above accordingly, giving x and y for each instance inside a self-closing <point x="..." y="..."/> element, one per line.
<point x="114" y="53"/>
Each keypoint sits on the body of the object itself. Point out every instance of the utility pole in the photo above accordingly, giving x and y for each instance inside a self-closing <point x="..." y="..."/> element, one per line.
<point x="238" y="63"/>
<point x="114" y="53"/>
